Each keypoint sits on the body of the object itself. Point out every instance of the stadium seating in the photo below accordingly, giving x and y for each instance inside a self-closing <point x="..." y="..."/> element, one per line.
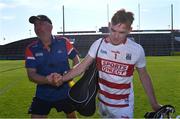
<point x="15" y="50"/>
<point x="154" y="44"/>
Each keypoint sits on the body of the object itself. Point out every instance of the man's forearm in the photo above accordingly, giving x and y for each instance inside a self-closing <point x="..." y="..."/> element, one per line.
<point x="150" y="91"/>
<point x="38" y="78"/>
<point x="76" y="60"/>
<point x="78" y="69"/>
<point x="70" y="76"/>
<point x="147" y="84"/>
<point x="72" y="73"/>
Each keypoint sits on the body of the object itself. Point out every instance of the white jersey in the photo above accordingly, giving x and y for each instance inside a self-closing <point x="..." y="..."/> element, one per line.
<point x="116" y="66"/>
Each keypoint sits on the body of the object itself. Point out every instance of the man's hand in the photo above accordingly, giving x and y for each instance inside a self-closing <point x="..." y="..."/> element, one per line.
<point x="156" y="107"/>
<point x="55" y="79"/>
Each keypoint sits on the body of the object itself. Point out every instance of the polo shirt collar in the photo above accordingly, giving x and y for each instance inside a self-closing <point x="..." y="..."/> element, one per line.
<point x="53" y="41"/>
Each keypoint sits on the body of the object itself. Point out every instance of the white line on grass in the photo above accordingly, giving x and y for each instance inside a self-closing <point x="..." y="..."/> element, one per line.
<point x="9" y="86"/>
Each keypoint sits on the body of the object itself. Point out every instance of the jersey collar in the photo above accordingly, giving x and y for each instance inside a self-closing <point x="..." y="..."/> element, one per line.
<point x="53" y="41"/>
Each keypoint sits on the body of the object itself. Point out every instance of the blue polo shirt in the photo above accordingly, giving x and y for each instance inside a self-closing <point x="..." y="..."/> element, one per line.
<point x="47" y="62"/>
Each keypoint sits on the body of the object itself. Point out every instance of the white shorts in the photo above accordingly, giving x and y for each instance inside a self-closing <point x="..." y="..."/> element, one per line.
<point x="115" y="112"/>
<point x="118" y="112"/>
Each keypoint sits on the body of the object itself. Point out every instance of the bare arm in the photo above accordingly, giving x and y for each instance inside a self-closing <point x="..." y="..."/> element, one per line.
<point x="76" y="60"/>
<point x="52" y="79"/>
<point x="148" y="87"/>
<point x="36" y="78"/>
<point x="78" y="69"/>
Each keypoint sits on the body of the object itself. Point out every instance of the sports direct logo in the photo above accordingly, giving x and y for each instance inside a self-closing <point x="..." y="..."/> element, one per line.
<point x="115" y="68"/>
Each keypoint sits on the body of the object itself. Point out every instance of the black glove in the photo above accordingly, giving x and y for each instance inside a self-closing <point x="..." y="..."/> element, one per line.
<point x="164" y="111"/>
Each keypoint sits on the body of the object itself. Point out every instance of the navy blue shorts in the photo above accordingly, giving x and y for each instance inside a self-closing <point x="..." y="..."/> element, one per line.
<point x="42" y="107"/>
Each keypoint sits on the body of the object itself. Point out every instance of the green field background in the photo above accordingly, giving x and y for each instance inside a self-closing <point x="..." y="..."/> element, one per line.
<point x="16" y="91"/>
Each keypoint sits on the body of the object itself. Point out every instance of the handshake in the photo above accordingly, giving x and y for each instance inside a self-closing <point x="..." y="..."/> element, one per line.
<point x="55" y="79"/>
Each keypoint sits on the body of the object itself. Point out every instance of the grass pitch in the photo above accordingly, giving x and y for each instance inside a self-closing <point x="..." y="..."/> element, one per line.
<point x="16" y="91"/>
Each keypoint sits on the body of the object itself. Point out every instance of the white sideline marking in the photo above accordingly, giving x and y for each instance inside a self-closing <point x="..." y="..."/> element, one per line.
<point x="8" y="87"/>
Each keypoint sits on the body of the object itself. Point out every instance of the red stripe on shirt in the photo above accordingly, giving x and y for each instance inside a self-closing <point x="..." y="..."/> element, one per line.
<point x="114" y="85"/>
<point x="114" y="96"/>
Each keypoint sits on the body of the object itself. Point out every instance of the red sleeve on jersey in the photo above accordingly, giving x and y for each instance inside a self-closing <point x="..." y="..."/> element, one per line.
<point x="69" y="46"/>
<point x="28" y="53"/>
